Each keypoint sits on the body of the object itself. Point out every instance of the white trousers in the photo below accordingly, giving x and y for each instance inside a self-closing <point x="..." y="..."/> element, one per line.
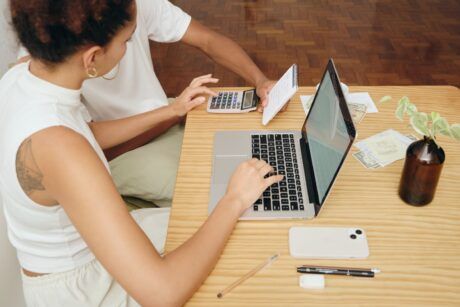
<point x="91" y="284"/>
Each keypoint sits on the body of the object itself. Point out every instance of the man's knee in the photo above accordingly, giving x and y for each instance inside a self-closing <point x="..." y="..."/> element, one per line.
<point x="149" y="172"/>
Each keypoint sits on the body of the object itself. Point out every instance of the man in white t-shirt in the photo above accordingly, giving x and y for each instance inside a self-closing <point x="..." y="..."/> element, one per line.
<point x="146" y="167"/>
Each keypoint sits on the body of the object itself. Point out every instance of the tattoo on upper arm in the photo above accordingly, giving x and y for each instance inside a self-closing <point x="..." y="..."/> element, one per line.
<point x="29" y="175"/>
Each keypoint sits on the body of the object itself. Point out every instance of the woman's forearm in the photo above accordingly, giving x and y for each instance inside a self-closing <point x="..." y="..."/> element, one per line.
<point x="114" y="132"/>
<point x="140" y="140"/>
<point x="191" y="263"/>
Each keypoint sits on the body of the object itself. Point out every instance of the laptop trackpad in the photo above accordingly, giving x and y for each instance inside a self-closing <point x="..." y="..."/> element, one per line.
<point x="224" y="166"/>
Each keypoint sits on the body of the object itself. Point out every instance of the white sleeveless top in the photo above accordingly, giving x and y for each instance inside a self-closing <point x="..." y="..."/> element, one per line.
<point x="45" y="238"/>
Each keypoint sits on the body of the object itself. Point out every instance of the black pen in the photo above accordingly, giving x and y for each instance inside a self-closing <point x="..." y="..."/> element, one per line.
<point x="337" y="271"/>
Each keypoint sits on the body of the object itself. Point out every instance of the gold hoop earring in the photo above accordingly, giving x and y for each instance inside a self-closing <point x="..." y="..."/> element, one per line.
<point x="115" y="75"/>
<point x="92" y="72"/>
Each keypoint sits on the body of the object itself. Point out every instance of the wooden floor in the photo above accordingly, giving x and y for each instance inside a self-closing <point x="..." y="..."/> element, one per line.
<point x="387" y="42"/>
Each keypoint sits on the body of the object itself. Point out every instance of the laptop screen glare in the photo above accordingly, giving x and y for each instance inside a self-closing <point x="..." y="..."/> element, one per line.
<point x="327" y="136"/>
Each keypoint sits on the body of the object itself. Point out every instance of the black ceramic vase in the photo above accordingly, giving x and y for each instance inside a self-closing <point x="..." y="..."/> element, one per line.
<point x="422" y="169"/>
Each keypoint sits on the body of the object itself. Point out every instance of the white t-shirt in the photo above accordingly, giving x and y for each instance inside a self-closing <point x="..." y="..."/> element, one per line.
<point x="135" y="87"/>
<point x="45" y="238"/>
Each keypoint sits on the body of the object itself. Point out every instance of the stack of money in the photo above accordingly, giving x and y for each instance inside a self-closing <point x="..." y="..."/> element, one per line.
<point x="383" y="148"/>
<point x="357" y="111"/>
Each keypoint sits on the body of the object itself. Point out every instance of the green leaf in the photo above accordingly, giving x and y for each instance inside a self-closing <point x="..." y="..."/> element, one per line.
<point x="422" y="116"/>
<point x="442" y="123"/>
<point x="455" y="131"/>
<point x="419" y="123"/>
<point x="442" y="126"/>
<point x="385" y="99"/>
<point x="400" y="112"/>
<point x="405" y="100"/>
<point x="411" y="109"/>
<point x="445" y="132"/>
<point x="435" y="116"/>
<point x="439" y="124"/>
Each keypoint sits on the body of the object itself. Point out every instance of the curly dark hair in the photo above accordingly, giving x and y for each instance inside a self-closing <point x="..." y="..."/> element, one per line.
<point x="53" y="30"/>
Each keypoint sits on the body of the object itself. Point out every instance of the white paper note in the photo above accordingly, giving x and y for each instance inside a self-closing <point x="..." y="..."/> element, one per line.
<point x="306" y="101"/>
<point x="363" y="98"/>
<point x="385" y="147"/>
<point x="283" y="90"/>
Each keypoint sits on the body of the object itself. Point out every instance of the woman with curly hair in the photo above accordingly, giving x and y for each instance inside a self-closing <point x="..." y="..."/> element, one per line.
<point x="76" y="241"/>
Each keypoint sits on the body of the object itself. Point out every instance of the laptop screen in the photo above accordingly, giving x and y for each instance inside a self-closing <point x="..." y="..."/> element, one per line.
<point x="328" y="133"/>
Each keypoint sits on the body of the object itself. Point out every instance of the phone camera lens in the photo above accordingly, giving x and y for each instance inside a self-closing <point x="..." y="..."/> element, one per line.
<point x="353" y="236"/>
<point x="358" y="231"/>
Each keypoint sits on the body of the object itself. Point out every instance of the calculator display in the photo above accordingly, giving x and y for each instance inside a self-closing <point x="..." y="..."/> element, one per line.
<point x="247" y="102"/>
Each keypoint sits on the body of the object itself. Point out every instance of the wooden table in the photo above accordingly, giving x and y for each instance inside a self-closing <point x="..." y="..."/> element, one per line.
<point x="417" y="249"/>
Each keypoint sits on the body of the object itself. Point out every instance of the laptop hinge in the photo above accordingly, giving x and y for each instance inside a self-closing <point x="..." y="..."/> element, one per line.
<point x="309" y="175"/>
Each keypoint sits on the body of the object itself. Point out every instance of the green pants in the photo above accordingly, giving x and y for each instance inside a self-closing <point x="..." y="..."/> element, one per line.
<point x="148" y="173"/>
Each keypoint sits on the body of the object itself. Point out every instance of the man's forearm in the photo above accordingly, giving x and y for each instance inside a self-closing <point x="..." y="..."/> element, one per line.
<point x="230" y="55"/>
<point x="224" y="51"/>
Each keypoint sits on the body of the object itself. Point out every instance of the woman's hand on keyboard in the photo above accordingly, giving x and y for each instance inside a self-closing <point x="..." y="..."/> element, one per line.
<point x="193" y="95"/>
<point x="248" y="182"/>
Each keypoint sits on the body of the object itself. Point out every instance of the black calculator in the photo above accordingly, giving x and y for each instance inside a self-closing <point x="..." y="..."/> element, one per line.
<point x="233" y="102"/>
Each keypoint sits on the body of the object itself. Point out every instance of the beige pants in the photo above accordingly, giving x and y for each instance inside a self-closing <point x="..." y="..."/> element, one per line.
<point x="91" y="284"/>
<point x="149" y="172"/>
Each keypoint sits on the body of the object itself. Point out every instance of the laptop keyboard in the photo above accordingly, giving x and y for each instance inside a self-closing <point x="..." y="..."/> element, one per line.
<point x="278" y="150"/>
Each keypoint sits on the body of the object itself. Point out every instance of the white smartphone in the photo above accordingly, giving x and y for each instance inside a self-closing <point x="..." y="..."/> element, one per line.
<point x="328" y="243"/>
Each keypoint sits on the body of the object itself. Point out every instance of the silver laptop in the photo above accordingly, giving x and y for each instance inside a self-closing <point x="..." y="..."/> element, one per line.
<point x="310" y="159"/>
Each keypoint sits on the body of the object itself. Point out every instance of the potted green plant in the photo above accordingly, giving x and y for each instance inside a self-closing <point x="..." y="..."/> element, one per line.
<point x="424" y="158"/>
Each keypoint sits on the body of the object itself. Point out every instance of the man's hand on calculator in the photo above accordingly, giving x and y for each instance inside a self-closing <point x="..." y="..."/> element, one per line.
<point x="262" y="90"/>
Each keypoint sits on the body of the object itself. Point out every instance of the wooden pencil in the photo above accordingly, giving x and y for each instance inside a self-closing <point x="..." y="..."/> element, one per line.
<point x="248" y="275"/>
